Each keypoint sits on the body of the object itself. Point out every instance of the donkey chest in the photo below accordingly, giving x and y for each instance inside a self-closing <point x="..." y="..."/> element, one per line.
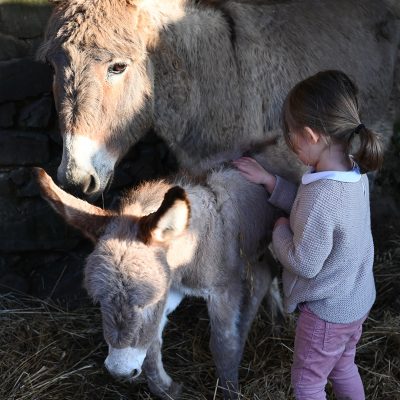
<point x="191" y="283"/>
<point x="194" y="292"/>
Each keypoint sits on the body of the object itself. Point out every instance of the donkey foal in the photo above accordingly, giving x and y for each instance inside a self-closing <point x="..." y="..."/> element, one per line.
<point x="203" y="237"/>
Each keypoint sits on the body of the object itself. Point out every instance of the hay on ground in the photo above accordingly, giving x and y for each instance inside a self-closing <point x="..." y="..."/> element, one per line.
<point x="47" y="352"/>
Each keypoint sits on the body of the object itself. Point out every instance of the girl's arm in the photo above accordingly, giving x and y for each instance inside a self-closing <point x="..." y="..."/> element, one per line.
<point x="304" y="247"/>
<point x="283" y="195"/>
<point x="282" y="192"/>
<point x="255" y="173"/>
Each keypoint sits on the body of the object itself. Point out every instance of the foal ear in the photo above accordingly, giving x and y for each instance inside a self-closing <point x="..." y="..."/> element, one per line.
<point x="89" y="219"/>
<point x="169" y="221"/>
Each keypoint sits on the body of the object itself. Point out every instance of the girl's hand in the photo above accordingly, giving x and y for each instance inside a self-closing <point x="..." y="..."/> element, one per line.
<point x="281" y="221"/>
<point x="255" y="173"/>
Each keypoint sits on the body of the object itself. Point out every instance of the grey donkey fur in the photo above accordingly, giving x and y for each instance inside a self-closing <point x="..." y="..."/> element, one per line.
<point x="205" y="77"/>
<point x="204" y="236"/>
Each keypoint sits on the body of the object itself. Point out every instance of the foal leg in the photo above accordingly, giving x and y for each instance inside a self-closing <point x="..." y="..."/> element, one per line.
<point x="160" y="383"/>
<point x="224" y="312"/>
<point x="253" y="294"/>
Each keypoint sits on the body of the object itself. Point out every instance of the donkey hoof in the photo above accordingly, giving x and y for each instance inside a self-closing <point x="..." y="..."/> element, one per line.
<point x="174" y="391"/>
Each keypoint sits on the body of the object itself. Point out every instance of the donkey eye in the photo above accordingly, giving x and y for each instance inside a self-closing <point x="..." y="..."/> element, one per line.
<point x="117" y="68"/>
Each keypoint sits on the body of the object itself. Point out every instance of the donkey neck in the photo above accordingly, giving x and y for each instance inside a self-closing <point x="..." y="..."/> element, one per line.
<point x="152" y="16"/>
<point x="199" y="250"/>
<point x="196" y="98"/>
<point x="183" y="252"/>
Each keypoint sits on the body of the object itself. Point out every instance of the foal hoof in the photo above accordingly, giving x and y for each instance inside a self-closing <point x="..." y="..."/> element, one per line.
<point x="173" y="392"/>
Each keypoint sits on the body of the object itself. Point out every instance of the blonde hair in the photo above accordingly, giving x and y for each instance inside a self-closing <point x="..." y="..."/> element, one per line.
<point x="327" y="102"/>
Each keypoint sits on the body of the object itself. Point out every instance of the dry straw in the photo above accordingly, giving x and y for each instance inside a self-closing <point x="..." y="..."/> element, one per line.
<point x="47" y="352"/>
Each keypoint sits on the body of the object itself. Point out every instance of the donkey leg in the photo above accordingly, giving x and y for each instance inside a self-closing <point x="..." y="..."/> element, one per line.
<point x="224" y="312"/>
<point x="252" y="297"/>
<point x="160" y="383"/>
<point x="264" y="284"/>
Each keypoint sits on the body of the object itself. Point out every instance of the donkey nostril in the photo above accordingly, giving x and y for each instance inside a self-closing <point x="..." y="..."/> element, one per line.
<point x="135" y="373"/>
<point x="91" y="185"/>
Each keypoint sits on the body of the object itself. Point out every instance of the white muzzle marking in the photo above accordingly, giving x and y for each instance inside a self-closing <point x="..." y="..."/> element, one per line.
<point x="125" y="362"/>
<point x="82" y="156"/>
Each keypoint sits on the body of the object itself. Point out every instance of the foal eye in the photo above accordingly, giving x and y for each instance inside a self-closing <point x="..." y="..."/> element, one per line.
<point x="117" y="68"/>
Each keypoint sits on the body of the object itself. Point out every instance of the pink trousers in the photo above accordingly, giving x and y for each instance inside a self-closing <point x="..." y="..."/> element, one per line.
<point x="323" y="351"/>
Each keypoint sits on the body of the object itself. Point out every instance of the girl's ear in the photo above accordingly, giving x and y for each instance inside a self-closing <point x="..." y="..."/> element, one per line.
<point x="312" y="136"/>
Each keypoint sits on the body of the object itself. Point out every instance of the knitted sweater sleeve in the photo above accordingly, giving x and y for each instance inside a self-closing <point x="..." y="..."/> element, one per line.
<point x="304" y="246"/>
<point x="283" y="194"/>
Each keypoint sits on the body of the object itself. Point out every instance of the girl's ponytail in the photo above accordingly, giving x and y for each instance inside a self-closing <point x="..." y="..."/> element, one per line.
<point x="370" y="153"/>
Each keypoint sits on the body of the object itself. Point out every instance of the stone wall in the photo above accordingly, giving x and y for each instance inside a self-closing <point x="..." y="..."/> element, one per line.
<point x="39" y="254"/>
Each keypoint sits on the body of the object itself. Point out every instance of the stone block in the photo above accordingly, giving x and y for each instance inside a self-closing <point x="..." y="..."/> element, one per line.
<point x="23" y="148"/>
<point x="24" y="19"/>
<point x="13" y="283"/>
<point x="23" y="183"/>
<point x="61" y="280"/>
<point x="7" y="114"/>
<point x="31" y="225"/>
<point x="37" y="114"/>
<point x="55" y="135"/>
<point x="22" y="78"/>
<point x="6" y="186"/>
<point x="11" y="47"/>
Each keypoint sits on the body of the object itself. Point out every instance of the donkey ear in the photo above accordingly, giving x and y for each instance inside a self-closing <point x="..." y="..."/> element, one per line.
<point x="169" y="221"/>
<point x="89" y="219"/>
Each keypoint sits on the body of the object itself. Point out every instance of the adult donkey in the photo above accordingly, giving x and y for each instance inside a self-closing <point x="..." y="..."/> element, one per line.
<point x="205" y="77"/>
<point x="190" y="236"/>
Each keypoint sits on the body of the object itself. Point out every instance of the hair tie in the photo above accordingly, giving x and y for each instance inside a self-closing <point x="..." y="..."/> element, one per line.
<point x="358" y="129"/>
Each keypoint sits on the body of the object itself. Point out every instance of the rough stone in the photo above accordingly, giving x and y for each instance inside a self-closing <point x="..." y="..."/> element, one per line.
<point x="22" y="78"/>
<point x="23" y="148"/>
<point x="13" y="283"/>
<point x="62" y="280"/>
<point x="55" y="134"/>
<point x="7" y="114"/>
<point x="26" y="262"/>
<point x="25" y="185"/>
<point x="6" y="187"/>
<point x="37" y="114"/>
<point x="24" y="19"/>
<point x="11" y="47"/>
<point x="31" y="225"/>
<point x="20" y="176"/>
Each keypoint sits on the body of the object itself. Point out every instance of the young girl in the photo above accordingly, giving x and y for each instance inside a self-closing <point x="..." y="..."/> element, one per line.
<point x="326" y="246"/>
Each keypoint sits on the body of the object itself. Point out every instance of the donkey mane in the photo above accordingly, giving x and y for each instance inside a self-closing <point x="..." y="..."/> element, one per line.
<point x="95" y="20"/>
